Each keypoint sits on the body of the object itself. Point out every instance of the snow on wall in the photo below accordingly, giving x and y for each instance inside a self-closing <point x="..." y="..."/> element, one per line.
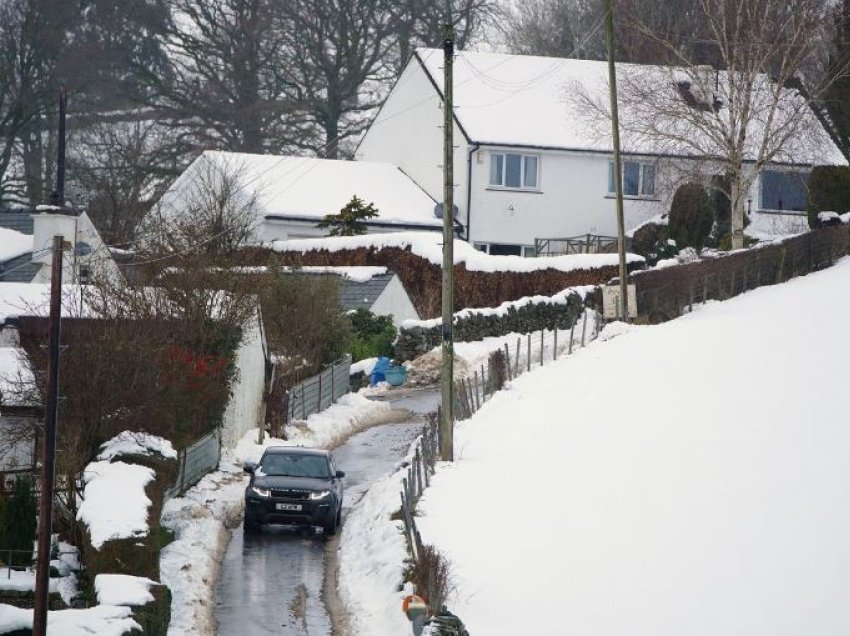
<point x="244" y="411"/>
<point x="428" y="245"/>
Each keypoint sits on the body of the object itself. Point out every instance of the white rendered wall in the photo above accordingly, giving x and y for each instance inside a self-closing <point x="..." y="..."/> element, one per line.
<point x="408" y="132"/>
<point x="573" y="200"/>
<point x="245" y="409"/>
<point x="395" y="301"/>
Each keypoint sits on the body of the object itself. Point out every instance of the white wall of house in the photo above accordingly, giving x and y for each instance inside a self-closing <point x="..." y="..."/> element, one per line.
<point x="571" y="199"/>
<point x="245" y="410"/>
<point x="395" y="301"/>
<point x="408" y="132"/>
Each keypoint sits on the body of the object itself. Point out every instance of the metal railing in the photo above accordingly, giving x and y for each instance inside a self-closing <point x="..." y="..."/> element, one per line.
<point x="582" y="244"/>
<point x="194" y="462"/>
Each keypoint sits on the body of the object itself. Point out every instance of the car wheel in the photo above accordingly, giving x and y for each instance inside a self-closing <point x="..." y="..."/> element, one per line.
<point x="251" y="527"/>
<point x="333" y="526"/>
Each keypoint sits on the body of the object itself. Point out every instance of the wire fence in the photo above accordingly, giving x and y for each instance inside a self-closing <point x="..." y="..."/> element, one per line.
<point x="534" y="350"/>
<point x="194" y="462"/>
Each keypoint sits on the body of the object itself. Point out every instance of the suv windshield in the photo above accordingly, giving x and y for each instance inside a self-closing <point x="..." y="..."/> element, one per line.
<point x="295" y="465"/>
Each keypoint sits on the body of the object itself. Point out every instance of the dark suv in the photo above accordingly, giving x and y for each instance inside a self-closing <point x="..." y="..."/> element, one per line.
<point x="294" y="486"/>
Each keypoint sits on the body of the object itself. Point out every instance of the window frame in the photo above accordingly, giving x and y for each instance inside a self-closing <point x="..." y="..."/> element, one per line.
<point x="643" y="166"/>
<point x="524" y="156"/>
<point x="768" y="210"/>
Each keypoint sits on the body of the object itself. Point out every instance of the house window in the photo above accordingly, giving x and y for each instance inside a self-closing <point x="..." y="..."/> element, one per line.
<point x="783" y="190"/>
<point x="638" y="179"/>
<point x="508" y="170"/>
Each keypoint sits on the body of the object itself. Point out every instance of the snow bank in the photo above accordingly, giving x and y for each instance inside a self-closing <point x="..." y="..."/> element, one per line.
<point x="114" y="504"/>
<point x="372" y="554"/>
<point x="22" y="581"/>
<point x="712" y="496"/>
<point x="123" y="589"/>
<point x="428" y="245"/>
<point x="103" y="620"/>
<point x="133" y="443"/>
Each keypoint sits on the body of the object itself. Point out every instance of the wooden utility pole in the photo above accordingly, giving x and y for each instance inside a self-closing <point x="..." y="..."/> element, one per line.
<point x="447" y="371"/>
<point x="48" y="461"/>
<point x="618" y="165"/>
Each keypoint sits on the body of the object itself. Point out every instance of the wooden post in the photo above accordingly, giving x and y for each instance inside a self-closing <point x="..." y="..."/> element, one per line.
<point x="691" y="299"/>
<point x="508" y="361"/>
<point x="477" y="393"/>
<point x="555" y="343"/>
<point x="319" y="399"/>
<point x="583" y="327"/>
<point x="483" y="384"/>
<point x="303" y="404"/>
<point x="542" y="339"/>
<point x="528" y="362"/>
<point x="572" y="333"/>
<point x="516" y="362"/>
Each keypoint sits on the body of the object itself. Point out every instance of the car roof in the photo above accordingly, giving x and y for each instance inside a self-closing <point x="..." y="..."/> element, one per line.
<point x="296" y="450"/>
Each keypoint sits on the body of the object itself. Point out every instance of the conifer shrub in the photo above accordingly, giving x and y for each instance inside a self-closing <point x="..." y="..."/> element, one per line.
<point x="350" y="221"/>
<point x="20" y="521"/>
<point x="829" y="191"/>
<point x="372" y="335"/>
<point x="691" y="216"/>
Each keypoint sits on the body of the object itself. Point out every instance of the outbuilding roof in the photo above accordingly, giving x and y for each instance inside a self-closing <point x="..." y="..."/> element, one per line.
<point x="542" y="102"/>
<point x="305" y="188"/>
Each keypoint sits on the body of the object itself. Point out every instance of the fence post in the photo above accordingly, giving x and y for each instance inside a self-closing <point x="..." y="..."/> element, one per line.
<point x="182" y="472"/>
<point x="516" y="362"/>
<point x="542" y="338"/>
<point x="319" y="399"/>
<point x="508" y="360"/>
<point x="483" y="384"/>
<point x="333" y="388"/>
<point x="477" y="399"/>
<point x="583" y="327"/>
<point x="529" y="353"/>
<point x="303" y="404"/>
<point x="572" y="333"/>
<point x="555" y="343"/>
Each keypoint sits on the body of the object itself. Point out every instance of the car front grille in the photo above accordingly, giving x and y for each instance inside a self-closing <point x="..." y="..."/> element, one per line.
<point x="290" y="493"/>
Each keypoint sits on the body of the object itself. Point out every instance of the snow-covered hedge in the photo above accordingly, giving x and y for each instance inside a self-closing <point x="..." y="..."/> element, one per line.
<point x="481" y="280"/>
<point x="525" y="315"/>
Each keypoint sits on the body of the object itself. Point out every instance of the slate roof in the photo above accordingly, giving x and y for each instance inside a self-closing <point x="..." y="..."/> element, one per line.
<point x="354" y="295"/>
<point x="18" y="220"/>
<point x="19" y="270"/>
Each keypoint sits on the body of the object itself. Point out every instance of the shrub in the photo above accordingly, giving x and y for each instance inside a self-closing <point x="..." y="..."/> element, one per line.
<point x="498" y="370"/>
<point x="691" y="216"/>
<point x="646" y="238"/>
<point x="372" y="335"/>
<point x="20" y="521"/>
<point x="829" y="191"/>
<point x="431" y="576"/>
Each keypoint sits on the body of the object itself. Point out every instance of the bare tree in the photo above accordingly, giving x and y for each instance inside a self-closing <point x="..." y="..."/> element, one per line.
<point x="556" y="28"/>
<point x="211" y="212"/>
<point x="746" y="111"/>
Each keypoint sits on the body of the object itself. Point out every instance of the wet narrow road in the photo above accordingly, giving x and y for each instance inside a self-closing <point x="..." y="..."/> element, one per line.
<point x="271" y="582"/>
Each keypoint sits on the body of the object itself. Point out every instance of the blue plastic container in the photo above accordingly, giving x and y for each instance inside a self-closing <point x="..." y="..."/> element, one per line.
<point x="396" y="375"/>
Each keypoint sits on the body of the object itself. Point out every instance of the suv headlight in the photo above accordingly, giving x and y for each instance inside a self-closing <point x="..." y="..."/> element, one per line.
<point x="262" y="492"/>
<point x="320" y="494"/>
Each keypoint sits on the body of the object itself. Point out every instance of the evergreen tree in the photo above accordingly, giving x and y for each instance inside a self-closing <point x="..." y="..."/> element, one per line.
<point x="20" y="521"/>
<point x="350" y="220"/>
<point x="837" y="98"/>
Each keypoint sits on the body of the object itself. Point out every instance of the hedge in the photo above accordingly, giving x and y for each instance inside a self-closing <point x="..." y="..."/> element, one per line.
<point x="829" y="191"/>
<point x="423" y="279"/>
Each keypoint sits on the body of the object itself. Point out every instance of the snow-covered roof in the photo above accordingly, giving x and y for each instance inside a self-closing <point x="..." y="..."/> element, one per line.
<point x="523" y="100"/>
<point x="308" y="188"/>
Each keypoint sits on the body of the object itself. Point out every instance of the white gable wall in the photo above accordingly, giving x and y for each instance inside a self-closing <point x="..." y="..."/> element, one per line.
<point x="408" y="132"/>
<point x="395" y="301"/>
<point x="244" y="410"/>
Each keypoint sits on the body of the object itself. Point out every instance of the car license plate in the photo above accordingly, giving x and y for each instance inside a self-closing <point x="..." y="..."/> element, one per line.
<point x="292" y="507"/>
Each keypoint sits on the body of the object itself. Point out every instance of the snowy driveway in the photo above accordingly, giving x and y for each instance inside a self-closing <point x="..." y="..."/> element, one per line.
<point x="272" y="583"/>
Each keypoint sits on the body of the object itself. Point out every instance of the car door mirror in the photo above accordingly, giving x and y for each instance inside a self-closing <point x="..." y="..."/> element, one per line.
<point x="249" y="467"/>
<point x="340" y="474"/>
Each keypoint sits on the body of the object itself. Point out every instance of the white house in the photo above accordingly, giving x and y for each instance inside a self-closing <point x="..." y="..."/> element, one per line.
<point x="26" y="240"/>
<point x="293" y="194"/>
<point x="533" y="160"/>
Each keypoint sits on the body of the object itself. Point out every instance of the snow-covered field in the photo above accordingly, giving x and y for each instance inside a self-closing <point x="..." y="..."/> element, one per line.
<point x="687" y="478"/>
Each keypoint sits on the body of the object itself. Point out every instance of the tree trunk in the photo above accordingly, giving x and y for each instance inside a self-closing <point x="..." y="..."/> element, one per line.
<point x="737" y="213"/>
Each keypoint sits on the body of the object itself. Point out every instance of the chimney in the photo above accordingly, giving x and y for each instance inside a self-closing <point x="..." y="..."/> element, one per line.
<point x="48" y="221"/>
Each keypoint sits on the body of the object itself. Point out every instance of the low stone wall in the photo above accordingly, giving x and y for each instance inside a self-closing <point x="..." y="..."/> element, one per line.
<point x="523" y="316"/>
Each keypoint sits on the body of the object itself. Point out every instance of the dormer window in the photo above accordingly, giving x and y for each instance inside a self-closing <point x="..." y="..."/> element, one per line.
<point x="514" y="171"/>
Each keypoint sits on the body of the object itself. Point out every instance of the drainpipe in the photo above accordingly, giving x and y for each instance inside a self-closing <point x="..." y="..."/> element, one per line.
<point x="472" y="151"/>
